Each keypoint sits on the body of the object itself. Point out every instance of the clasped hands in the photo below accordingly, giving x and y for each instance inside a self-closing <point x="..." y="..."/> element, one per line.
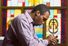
<point x="52" y="39"/>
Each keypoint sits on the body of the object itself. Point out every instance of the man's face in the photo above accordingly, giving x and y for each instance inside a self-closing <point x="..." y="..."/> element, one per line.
<point x="39" y="19"/>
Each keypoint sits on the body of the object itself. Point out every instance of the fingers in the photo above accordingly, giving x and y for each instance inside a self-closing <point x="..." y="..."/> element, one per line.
<point x="54" y="42"/>
<point x="52" y="39"/>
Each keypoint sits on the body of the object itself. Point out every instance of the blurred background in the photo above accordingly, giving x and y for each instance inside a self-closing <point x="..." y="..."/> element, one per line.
<point x="56" y="24"/>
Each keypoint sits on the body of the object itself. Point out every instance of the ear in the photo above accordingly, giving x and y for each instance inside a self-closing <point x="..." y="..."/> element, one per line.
<point x="38" y="13"/>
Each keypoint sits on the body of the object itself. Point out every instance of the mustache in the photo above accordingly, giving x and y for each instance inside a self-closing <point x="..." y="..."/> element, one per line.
<point x="44" y="19"/>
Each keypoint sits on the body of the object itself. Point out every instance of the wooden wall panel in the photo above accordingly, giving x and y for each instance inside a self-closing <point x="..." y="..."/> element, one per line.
<point x="66" y="23"/>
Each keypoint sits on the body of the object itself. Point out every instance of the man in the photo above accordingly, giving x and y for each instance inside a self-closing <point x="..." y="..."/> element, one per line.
<point x="21" y="32"/>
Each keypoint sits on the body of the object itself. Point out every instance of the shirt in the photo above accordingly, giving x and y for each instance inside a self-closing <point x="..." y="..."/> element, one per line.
<point x="23" y="29"/>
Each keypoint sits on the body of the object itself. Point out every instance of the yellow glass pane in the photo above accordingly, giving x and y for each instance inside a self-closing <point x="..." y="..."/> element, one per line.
<point x="55" y="11"/>
<point x="17" y="12"/>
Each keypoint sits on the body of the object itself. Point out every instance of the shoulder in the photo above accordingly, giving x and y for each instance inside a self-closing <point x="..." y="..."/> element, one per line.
<point x="20" y="18"/>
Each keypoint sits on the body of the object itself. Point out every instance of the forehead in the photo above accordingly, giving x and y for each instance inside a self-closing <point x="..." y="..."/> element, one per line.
<point x="46" y="13"/>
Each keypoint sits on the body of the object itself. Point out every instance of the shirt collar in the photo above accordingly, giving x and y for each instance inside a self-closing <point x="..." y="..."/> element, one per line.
<point x="28" y="16"/>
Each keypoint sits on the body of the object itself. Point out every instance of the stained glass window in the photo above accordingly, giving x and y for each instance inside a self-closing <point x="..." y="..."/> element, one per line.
<point x="53" y="24"/>
<point x="11" y="14"/>
<point x="39" y="31"/>
<point x="51" y="3"/>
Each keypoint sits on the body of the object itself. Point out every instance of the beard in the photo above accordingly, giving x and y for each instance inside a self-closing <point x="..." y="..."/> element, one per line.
<point x="37" y="22"/>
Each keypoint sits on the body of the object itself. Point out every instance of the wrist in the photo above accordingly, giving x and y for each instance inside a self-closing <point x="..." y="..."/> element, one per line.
<point x="48" y="41"/>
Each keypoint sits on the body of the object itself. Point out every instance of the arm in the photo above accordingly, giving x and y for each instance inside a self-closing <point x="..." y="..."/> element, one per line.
<point x="45" y="41"/>
<point x="22" y="30"/>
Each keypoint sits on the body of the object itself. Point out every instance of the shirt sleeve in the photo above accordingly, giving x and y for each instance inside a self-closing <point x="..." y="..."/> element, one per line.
<point x="45" y="41"/>
<point x="23" y="30"/>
